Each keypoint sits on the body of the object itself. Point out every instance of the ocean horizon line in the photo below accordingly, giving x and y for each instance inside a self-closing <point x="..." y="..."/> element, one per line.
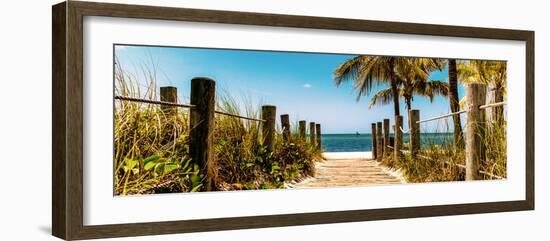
<point x="368" y="133"/>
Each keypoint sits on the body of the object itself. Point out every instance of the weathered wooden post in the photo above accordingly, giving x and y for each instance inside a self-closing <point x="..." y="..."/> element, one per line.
<point x="475" y="130"/>
<point x="312" y="133"/>
<point x="302" y="127"/>
<point x="414" y="145"/>
<point x="285" y="124"/>
<point x="169" y="94"/>
<point x="318" y="133"/>
<point x="386" y="137"/>
<point x="398" y="138"/>
<point x="379" y="142"/>
<point x="201" y="121"/>
<point x="268" y="128"/>
<point x="373" y="140"/>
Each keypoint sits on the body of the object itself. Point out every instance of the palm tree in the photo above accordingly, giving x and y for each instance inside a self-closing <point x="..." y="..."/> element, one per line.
<point x="414" y="76"/>
<point x="491" y="73"/>
<point x="370" y="71"/>
<point x="454" y="102"/>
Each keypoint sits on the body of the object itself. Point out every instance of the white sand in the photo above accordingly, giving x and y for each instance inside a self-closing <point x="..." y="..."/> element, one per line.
<point x="347" y="155"/>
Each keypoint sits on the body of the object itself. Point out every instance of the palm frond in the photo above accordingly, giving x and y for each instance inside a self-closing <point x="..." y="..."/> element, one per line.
<point x="436" y="87"/>
<point x="382" y="97"/>
<point x="348" y="70"/>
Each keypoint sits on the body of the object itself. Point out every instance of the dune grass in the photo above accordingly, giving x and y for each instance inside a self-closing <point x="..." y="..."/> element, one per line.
<point x="151" y="151"/>
<point x="442" y="162"/>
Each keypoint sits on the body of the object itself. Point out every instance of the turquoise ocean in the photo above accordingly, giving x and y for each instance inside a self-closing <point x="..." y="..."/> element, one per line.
<point x="363" y="142"/>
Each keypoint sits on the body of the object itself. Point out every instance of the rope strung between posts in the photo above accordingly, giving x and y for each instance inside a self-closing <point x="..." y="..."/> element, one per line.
<point x="155" y="102"/>
<point x="493" y="176"/>
<point x="158" y="102"/>
<point x="442" y="116"/>
<point x="461" y="112"/>
<point x="238" y="116"/>
<point x="493" y="105"/>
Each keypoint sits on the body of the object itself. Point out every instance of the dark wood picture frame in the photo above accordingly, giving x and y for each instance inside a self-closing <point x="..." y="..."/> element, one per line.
<point x="67" y="123"/>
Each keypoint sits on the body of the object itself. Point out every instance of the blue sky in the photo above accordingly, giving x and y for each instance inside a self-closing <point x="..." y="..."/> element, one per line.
<point x="299" y="84"/>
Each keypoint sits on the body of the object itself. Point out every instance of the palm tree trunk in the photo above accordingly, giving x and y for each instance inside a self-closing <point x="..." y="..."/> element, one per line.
<point x="455" y="107"/>
<point x="408" y="100"/>
<point x="394" y="90"/>
<point x="395" y="97"/>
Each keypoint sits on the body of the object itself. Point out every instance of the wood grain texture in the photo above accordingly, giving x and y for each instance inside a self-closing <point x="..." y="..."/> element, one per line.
<point x="312" y="135"/>
<point x="386" y="137"/>
<point x="530" y="119"/>
<point x="318" y="135"/>
<point x="269" y="113"/>
<point x="302" y="129"/>
<point x="285" y="125"/>
<point x="67" y="119"/>
<point x="336" y="171"/>
<point x="475" y="130"/>
<point x="201" y="126"/>
<point x="74" y="121"/>
<point x="59" y="193"/>
<point x="414" y="145"/>
<point x="169" y="94"/>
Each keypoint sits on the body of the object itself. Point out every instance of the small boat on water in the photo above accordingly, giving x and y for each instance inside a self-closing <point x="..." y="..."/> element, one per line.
<point x="357" y="133"/>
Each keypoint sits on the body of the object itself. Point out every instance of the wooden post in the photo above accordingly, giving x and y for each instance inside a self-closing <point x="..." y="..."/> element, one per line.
<point x="386" y="137"/>
<point x="201" y="121"/>
<point x="318" y="134"/>
<point x="373" y="140"/>
<point x="285" y="124"/>
<point x="268" y="128"/>
<point x="312" y="133"/>
<point x="169" y="94"/>
<point x="414" y="145"/>
<point x="475" y="129"/>
<point x="379" y="142"/>
<point x="302" y="127"/>
<point x="398" y="138"/>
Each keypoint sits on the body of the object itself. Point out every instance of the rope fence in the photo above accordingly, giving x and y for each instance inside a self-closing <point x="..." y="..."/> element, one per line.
<point x="456" y="113"/>
<point x="383" y="145"/>
<point x="155" y="102"/>
<point x="166" y="103"/>
<point x="202" y="121"/>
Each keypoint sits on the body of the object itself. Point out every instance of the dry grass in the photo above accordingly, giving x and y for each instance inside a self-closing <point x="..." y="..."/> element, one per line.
<point x="438" y="162"/>
<point x="151" y="147"/>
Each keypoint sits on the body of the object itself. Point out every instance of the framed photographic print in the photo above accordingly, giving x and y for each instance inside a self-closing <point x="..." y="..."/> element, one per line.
<point x="170" y="120"/>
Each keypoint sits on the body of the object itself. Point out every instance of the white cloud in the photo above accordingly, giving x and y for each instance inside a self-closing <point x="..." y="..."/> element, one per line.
<point x="307" y="86"/>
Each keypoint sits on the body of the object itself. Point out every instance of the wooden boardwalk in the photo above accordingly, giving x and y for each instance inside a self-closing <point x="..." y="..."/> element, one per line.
<point x="349" y="169"/>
